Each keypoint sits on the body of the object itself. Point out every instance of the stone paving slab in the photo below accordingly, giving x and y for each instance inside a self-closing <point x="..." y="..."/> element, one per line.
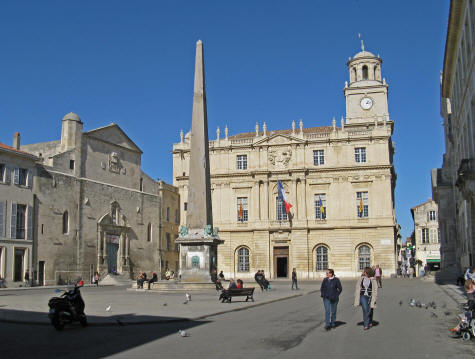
<point x="137" y="306"/>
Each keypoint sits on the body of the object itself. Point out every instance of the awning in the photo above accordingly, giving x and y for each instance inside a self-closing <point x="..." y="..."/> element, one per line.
<point x="433" y="260"/>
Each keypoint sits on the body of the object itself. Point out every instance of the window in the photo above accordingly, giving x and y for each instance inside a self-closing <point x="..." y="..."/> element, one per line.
<point x="185" y="206"/>
<point x="365" y="72"/>
<point x="321" y="258"/>
<point x="364" y="257"/>
<point x="360" y="154"/>
<point x="320" y="206"/>
<point x="71" y="164"/>
<point x="177" y="216"/>
<point x="195" y="262"/>
<point x="65" y="222"/>
<point x="168" y="214"/>
<point x="243" y="260"/>
<point x="355" y="77"/>
<point x="425" y="235"/>
<point x="20" y="221"/>
<point x="241" y="162"/>
<point x="177" y="246"/>
<point x="242" y="209"/>
<point x="169" y="242"/>
<point x="432" y="216"/>
<point x="2" y="172"/>
<point x="318" y="157"/>
<point x="362" y="204"/>
<point x="141" y="185"/>
<point x="149" y="232"/>
<point x="22" y="176"/>
<point x="280" y="210"/>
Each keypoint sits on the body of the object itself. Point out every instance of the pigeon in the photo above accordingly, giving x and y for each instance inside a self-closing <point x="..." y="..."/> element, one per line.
<point x="108" y="309"/>
<point x="400" y="302"/>
<point x="188" y="297"/>
<point x="426" y="306"/>
<point x="165" y="304"/>
<point x="183" y="333"/>
<point x="447" y="313"/>
<point x="418" y="304"/>
<point x="433" y="315"/>
<point x="185" y="302"/>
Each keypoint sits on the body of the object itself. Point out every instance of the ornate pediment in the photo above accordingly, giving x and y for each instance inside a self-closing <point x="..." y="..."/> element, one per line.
<point x="278" y="139"/>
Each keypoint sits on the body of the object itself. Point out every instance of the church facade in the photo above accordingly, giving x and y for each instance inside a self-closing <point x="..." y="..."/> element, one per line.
<point x="339" y="179"/>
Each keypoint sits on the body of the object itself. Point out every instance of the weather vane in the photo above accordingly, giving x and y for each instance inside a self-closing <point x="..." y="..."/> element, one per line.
<point x="362" y="43"/>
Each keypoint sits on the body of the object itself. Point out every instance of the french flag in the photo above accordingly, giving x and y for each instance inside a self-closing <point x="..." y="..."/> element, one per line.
<point x="283" y="196"/>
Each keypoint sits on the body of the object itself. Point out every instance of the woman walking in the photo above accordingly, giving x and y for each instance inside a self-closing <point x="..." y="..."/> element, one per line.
<point x="366" y="294"/>
<point x="330" y="292"/>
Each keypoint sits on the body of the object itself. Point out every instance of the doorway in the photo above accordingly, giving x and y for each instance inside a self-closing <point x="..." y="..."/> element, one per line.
<point x="18" y="265"/>
<point x="112" y="249"/>
<point x="281" y="262"/>
<point x="41" y="273"/>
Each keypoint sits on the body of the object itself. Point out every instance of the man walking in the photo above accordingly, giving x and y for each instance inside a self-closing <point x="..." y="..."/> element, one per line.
<point x="294" y="279"/>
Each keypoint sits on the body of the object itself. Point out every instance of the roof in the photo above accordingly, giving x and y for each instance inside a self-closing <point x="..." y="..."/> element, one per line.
<point x="101" y="133"/>
<point x="363" y="54"/>
<point x="281" y="132"/>
<point x="7" y="148"/>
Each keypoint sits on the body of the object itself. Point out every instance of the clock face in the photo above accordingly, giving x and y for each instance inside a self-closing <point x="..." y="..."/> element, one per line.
<point x="366" y="103"/>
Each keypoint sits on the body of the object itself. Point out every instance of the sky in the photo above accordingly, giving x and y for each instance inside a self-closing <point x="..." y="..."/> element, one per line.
<point x="132" y="63"/>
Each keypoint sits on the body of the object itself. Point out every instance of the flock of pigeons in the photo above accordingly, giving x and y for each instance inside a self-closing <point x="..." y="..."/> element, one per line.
<point x="431" y="305"/>
<point x="182" y="333"/>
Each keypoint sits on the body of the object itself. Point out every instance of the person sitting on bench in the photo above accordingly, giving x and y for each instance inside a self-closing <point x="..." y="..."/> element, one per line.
<point x="153" y="279"/>
<point x="239" y="284"/>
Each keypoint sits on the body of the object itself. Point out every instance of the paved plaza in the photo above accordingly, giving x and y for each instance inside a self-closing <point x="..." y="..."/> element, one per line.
<point x="280" y="323"/>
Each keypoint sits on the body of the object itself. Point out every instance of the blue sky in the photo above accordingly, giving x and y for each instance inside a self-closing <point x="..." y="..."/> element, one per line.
<point x="131" y="62"/>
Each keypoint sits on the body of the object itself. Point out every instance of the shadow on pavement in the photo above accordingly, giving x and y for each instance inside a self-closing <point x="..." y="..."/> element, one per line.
<point x="375" y="323"/>
<point x="91" y="342"/>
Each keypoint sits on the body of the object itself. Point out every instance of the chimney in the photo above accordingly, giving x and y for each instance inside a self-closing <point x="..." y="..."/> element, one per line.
<point x="16" y="140"/>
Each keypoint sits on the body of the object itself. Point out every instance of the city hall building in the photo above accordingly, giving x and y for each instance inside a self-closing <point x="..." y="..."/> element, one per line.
<point x="339" y="178"/>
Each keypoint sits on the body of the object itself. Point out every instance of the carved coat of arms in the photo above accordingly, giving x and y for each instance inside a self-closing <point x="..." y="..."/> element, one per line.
<point x="279" y="157"/>
<point x="114" y="162"/>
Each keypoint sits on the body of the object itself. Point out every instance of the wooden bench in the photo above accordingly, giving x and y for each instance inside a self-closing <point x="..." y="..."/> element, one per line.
<point x="227" y="294"/>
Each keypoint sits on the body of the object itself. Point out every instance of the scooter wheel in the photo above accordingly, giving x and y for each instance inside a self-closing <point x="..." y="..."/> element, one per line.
<point x="83" y="321"/>
<point x="466" y="336"/>
<point x="58" y="324"/>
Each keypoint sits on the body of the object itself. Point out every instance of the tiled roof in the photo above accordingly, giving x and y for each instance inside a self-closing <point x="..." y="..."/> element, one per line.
<point x="282" y="132"/>
<point x="12" y="149"/>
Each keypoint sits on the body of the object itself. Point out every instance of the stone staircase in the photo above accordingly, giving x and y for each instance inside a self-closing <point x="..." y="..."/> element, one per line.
<point x="117" y="280"/>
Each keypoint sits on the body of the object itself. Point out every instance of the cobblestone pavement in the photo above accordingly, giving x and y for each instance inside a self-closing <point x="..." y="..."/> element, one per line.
<point x="291" y="328"/>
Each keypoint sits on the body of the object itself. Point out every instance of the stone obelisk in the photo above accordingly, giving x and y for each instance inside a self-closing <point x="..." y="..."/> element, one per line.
<point x="198" y="240"/>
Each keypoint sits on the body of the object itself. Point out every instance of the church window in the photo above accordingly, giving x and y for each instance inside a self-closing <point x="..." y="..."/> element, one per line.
<point x="280" y="210"/>
<point x="149" y="232"/>
<point x="241" y="162"/>
<point x="242" y="209"/>
<point x="243" y="260"/>
<point x="360" y="154"/>
<point x="141" y="185"/>
<point x="318" y="157"/>
<point x="185" y="206"/>
<point x="65" y="222"/>
<point x="71" y="164"/>
<point x="365" y="72"/>
<point x="320" y="206"/>
<point x="321" y="254"/>
<point x="362" y="209"/>
<point x="364" y="257"/>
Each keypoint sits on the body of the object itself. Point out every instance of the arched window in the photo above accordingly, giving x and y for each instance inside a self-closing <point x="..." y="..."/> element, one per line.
<point x="375" y="73"/>
<point x="149" y="232"/>
<point x="321" y="258"/>
<point x="355" y="78"/>
<point x="65" y="222"/>
<point x="364" y="257"/>
<point x="243" y="260"/>
<point x="365" y="72"/>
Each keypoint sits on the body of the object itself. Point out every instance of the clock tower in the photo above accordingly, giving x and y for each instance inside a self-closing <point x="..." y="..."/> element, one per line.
<point x="367" y="93"/>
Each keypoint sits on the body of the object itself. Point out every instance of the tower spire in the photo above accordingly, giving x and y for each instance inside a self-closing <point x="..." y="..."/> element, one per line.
<point x="199" y="212"/>
<point x="362" y="43"/>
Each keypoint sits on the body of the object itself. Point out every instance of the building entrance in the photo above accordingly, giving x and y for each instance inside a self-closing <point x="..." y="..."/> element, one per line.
<point x="281" y="262"/>
<point x="18" y="266"/>
<point x="112" y="249"/>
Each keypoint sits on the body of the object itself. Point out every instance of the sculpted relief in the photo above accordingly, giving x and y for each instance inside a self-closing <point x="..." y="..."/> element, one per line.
<point x="279" y="157"/>
<point x="114" y="162"/>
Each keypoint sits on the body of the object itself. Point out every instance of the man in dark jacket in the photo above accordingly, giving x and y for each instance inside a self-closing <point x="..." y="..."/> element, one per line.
<point x="330" y="292"/>
<point x="258" y="277"/>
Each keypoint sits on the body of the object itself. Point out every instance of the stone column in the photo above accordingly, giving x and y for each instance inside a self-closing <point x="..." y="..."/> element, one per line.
<point x="303" y="200"/>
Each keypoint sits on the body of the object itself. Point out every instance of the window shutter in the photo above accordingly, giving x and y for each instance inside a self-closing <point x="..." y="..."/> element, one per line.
<point x="29" y="218"/>
<point x="8" y="174"/>
<point x="13" y="222"/>
<point x="2" y="219"/>
<point x="30" y="179"/>
<point x="16" y="176"/>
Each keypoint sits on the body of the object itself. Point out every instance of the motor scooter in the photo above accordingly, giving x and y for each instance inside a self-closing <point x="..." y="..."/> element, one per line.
<point x="67" y="308"/>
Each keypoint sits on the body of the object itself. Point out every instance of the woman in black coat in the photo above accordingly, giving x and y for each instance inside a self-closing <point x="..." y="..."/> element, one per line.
<point x="330" y="292"/>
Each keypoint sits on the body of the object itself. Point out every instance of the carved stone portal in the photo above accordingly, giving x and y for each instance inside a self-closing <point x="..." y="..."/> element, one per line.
<point x="279" y="157"/>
